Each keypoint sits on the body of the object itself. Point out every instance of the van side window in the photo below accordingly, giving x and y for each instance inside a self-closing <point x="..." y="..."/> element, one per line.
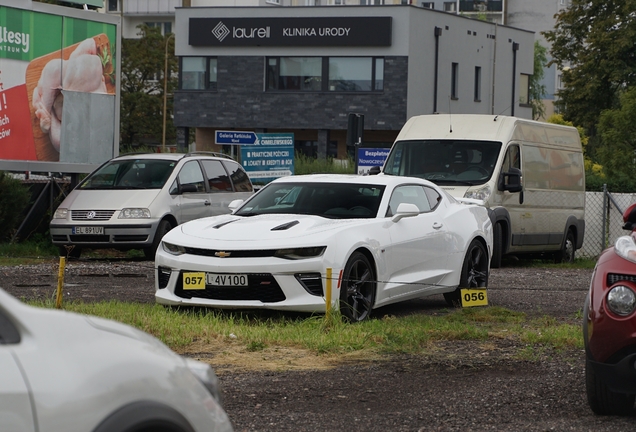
<point x="191" y="174"/>
<point x="239" y="177"/>
<point x="512" y="159"/>
<point x="218" y="180"/>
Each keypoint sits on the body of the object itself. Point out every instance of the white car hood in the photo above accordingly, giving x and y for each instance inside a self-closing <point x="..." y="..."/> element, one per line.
<point x="262" y="228"/>
<point x="110" y="199"/>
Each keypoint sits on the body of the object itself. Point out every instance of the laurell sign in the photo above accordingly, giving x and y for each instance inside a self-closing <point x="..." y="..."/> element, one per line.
<point x="336" y="31"/>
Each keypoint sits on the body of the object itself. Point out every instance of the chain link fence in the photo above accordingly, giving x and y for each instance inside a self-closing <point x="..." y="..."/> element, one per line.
<point x="603" y="220"/>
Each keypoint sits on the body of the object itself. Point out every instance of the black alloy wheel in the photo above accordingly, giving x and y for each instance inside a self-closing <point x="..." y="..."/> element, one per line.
<point x="357" y="292"/>
<point x="474" y="272"/>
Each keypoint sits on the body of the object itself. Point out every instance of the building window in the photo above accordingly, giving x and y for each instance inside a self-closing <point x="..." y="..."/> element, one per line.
<point x="198" y="73"/>
<point x="333" y="74"/>
<point x="477" y="84"/>
<point x="450" y="6"/>
<point x="428" y="5"/>
<point x="524" y="89"/>
<point x="164" y="27"/>
<point x="113" y="5"/>
<point x="454" y="80"/>
<point x="276" y="2"/>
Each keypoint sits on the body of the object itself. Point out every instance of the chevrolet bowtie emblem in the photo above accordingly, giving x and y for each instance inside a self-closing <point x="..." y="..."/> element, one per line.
<point x="222" y="254"/>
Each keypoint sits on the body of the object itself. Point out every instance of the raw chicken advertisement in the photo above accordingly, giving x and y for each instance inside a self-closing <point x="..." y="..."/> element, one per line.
<point x="44" y="57"/>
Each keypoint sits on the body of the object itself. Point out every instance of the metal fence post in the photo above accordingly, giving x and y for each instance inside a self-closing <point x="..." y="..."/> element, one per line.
<point x="603" y="239"/>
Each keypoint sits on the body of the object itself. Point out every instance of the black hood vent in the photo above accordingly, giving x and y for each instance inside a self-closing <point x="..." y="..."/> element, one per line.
<point x="224" y="223"/>
<point x="285" y="226"/>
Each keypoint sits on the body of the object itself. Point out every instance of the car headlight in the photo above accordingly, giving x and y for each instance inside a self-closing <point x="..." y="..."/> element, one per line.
<point x="206" y="375"/>
<point x="60" y="213"/>
<point x="621" y="300"/>
<point x="300" y="253"/>
<point x="625" y="247"/>
<point x="134" y="213"/>
<point x="479" y="194"/>
<point x="173" y="249"/>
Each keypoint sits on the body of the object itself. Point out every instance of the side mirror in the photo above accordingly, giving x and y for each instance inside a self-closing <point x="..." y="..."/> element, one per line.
<point x="374" y="170"/>
<point x="405" y="210"/>
<point x="188" y="188"/>
<point x="629" y="217"/>
<point x="510" y="181"/>
<point x="235" y="204"/>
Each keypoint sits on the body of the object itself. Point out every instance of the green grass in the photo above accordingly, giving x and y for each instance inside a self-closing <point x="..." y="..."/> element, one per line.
<point x="179" y="328"/>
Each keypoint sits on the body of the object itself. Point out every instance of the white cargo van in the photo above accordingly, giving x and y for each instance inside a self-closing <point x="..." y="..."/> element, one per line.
<point x="529" y="174"/>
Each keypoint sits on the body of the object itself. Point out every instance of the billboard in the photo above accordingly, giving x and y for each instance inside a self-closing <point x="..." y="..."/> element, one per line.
<point x="59" y="100"/>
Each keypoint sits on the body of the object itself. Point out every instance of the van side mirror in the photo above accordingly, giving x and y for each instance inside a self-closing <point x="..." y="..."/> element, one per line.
<point x="189" y="187"/>
<point x="374" y="170"/>
<point x="510" y="181"/>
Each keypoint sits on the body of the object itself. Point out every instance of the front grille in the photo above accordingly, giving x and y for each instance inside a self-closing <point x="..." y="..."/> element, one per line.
<point x="312" y="282"/>
<point x="262" y="287"/>
<point x="233" y="254"/>
<point x="163" y="276"/>
<point x="100" y="215"/>
<point x="89" y="238"/>
<point x="59" y="238"/>
<point x="613" y="278"/>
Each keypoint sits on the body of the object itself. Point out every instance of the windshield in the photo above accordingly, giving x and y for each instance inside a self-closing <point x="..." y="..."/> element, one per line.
<point x="130" y="174"/>
<point x="444" y="161"/>
<point x="330" y="200"/>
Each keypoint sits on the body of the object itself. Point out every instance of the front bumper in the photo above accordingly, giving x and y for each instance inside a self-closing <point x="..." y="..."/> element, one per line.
<point x="137" y="234"/>
<point x="275" y="284"/>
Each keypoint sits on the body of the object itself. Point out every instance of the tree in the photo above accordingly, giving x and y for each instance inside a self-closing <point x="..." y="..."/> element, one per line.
<point x="593" y="44"/>
<point x="142" y="96"/>
<point x="537" y="90"/>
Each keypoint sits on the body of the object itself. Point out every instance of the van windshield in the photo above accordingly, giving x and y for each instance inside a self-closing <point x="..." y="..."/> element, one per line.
<point x="444" y="161"/>
<point x="130" y="174"/>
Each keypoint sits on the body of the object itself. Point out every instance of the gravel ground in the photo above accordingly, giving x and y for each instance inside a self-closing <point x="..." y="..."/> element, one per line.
<point x="462" y="385"/>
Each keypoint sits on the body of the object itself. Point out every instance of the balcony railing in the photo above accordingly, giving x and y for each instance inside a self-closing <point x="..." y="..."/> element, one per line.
<point x="151" y="7"/>
<point x="480" y="6"/>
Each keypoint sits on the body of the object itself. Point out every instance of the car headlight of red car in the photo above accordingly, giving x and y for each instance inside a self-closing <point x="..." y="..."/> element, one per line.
<point x="621" y="300"/>
<point x="625" y="247"/>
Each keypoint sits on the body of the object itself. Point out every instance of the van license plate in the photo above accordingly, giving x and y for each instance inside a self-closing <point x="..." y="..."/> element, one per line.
<point x="88" y="230"/>
<point x="226" y="280"/>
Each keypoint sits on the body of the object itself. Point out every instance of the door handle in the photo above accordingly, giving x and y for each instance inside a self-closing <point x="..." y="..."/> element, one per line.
<point x="207" y="203"/>
<point x="437" y="225"/>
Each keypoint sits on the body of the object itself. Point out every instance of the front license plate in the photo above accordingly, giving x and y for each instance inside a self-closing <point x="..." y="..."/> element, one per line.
<point x="474" y="297"/>
<point x="194" y="281"/>
<point x="227" y="280"/>
<point x="88" y="230"/>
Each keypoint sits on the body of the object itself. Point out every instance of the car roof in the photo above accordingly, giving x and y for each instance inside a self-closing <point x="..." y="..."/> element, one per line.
<point x="173" y="156"/>
<point x="383" y="180"/>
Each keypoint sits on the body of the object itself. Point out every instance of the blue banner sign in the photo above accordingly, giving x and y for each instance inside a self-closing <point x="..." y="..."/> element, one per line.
<point x="370" y="157"/>
<point x="272" y="156"/>
<point x="236" y="138"/>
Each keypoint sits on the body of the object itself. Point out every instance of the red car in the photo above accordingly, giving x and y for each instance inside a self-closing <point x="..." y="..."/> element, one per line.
<point x="609" y="329"/>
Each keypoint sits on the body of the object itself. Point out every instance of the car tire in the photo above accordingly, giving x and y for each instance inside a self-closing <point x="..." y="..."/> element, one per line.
<point x="566" y="254"/>
<point x="497" y="246"/>
<point x="71" y="252"/>
<point x="474" y="272"/>
<point x="601" y="399"/>
<point x="357" y="291"/>
<point x="163" y="229"/>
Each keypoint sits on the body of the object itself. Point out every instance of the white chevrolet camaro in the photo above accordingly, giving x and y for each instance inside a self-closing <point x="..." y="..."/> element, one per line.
<point x="383" y="239"/>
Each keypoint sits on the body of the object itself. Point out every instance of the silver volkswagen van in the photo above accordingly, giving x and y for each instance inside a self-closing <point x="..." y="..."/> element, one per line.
<point x="131" y="201"/>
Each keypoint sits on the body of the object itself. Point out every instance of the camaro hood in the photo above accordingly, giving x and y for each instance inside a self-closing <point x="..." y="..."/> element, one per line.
<point x="262" y="228"/>
<point x="110" y="199"/>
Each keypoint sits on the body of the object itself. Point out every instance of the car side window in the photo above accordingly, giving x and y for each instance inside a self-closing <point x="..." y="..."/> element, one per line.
<point x="191" y="174"/>
<point x="218" y="180"/>
<point x="239" y="177"/>
<point x="413" y="194"/>
<point x="434" y="198"/>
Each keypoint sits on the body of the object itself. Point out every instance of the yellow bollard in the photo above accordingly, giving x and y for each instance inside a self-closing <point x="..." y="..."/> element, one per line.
<point x="328" y="293"/>
<point x="60" y="283"/>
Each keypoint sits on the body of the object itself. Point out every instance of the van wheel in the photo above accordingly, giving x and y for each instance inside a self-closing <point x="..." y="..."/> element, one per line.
<point x="497" y="246"/>
<point x="566" y="254"/>
<point x="70" y="251"/>
<point x="474" y="273"/>
<point x="163" y="229"/>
